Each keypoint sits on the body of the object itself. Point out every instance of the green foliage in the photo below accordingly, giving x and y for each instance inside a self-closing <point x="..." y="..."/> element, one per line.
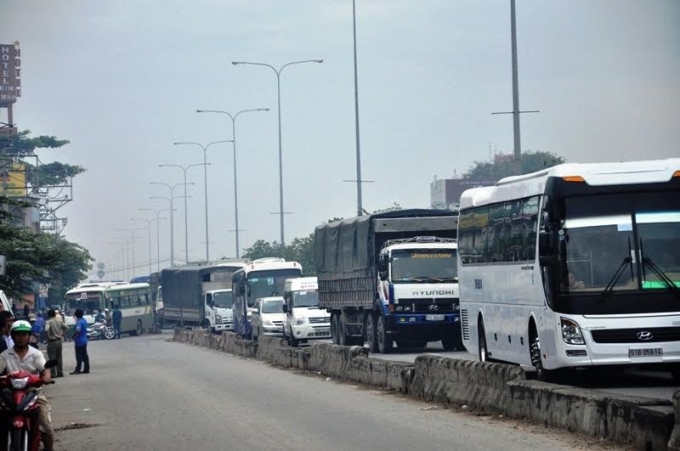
<point x="51" y="174"/>
<point x="40" y="258"/>
<point x="22" y="144"/>
<point x="300" y="250"/>
<point x="529" y="162"/>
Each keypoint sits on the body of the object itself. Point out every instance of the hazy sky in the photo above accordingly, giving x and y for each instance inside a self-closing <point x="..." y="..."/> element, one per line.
<point x="122" y="79"/>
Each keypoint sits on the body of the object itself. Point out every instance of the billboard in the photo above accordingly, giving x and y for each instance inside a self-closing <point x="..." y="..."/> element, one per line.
<point x="445" y="193"/>
<point x="10" y="81"/>
<point x="13" y="182"/>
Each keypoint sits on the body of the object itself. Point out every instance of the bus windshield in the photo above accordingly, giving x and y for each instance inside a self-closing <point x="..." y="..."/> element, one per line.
<point x="305" y="298"/>
<point x="262" y="284"/>
<point x="223" y="299"/>
<point x="624" y="242"/>
<point x="424" y="265"/>
<point x="89" y="302"/>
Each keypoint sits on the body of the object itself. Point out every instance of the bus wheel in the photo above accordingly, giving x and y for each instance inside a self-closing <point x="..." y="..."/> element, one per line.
<point x="535" y="350"/>
<point x="383" y="339"/>
<point x="342" y="332"/>
<point x="370" y="333"/>
<point x="481" y="342"/>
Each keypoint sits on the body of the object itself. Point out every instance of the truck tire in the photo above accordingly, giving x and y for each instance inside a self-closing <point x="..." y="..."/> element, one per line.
<point x="383" y="339"/>
<point x="370" y="332"/>
<point x="452" y="342"/>
<point x="342" y="332"/>
<point x="335" y="335"/>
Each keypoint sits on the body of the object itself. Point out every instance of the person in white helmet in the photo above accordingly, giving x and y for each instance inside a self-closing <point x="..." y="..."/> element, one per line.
<point x="22" y="357"/>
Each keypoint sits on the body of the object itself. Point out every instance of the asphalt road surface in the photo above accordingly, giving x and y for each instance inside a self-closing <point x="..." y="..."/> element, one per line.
<point x="634" y="382"/>
<point x="151" y="394"/>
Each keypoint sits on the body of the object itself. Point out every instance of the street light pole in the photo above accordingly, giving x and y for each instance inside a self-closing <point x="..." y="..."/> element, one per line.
<point x="157" y="212"/>
<point x="186" y="215"/>
<point x="121" y="269"/>
<point x="132" y="247"/>
<point x="205" y="179"/>
<point x="148" y="229"/>
<point x="170" y="199"/>
<point x="278" y="95"/>
<point x="360" y="208"/>
<point x="233" y="141"/>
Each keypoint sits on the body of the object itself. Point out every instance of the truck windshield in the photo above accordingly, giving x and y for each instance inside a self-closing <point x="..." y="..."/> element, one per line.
<point x="305" y="298"/>
<point x="262" y="284"/>
<point x="89" y="304"/>
<point x="272" y="306"/>
<point x="424" y="265"/>
<point x="223" y="299"/>
<point x="610" y="241"/>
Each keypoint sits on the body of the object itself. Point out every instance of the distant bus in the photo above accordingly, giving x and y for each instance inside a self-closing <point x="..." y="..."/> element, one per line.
<point x="134" y="301"/>
<point x="261" y="278"/>
<point x="574" y="266"/>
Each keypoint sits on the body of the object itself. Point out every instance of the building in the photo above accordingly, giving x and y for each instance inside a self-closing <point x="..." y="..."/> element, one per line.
<point x="445" y="193"/>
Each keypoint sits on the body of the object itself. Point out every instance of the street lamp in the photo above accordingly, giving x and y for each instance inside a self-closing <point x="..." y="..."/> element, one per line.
<point x="205" y="179"/>
<point x="132" y="239"/>
<point x="171" y="200"/>
<point x="233" y="141"/>
<point x="278" y="89"/>
<point x="148" y="229"/>
<point x="186" y="216"/>
<point x="122" y="244"/>
<point x="158" y="212"/>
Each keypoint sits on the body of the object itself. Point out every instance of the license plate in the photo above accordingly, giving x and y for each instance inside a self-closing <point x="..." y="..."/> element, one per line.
<point x="323" y="331"/>
<point x="434" y="317"/>
<point x="645" y="352"/>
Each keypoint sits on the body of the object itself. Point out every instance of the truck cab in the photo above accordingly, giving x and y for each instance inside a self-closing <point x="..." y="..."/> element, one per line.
<point x="218" y="309"/>
<point x="418" y="287"/>
<point x="304" y="319"/>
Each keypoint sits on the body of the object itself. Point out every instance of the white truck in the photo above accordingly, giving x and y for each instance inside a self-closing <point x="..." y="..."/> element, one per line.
<point x="304" y="319"/>
<point x="199" y="295"/>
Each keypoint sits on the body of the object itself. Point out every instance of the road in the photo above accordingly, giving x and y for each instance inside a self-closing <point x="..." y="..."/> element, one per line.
<point x="148" y="393"/>
<point x="648" y="384"/>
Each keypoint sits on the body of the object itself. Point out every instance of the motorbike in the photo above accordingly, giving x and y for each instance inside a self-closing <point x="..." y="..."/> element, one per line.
<point x="19" y="404"/>
<point x="100" y="331"/>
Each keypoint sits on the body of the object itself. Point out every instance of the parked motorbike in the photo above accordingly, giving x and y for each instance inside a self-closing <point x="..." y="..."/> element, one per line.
<point x="19" y="404"/>
<point x="100" y="331"/>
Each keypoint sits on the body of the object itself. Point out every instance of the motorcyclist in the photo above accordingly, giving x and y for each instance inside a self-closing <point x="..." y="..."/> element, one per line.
<point x="22" y="357"/>
<point x="100" y="318"/>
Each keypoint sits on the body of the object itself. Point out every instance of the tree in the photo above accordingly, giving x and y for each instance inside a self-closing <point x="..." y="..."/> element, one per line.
<point x="56" y="173"/>
<point x="529" y="162"/>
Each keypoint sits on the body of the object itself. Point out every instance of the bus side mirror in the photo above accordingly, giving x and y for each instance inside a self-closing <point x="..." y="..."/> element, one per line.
<point x="285" y="308"/>
<point x="241" y="288"/>
<point x="382" y="275"/>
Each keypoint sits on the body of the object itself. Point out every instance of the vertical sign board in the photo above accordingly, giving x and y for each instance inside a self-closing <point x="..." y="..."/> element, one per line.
<point x="10" y="81"/>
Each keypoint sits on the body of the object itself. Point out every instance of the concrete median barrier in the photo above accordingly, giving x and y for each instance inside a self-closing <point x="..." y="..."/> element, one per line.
<point x="480" y="385"/>
<point x="674" y="442"/>
<point x="645" y="423"/>
<point x="275" y="351"/>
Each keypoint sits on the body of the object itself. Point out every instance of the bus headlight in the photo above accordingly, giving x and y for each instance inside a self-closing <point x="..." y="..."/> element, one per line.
<point x="571" y="332"/>
<point x="300" y="320"/>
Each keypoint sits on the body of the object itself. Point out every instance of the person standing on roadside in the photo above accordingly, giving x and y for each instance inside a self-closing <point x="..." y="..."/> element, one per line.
<point x="117" y="319"/>
<point x="55" y="330"/>
<point x="80" y="338"/>
<point x="40" y="322"/>
<point x="27" y="310"/>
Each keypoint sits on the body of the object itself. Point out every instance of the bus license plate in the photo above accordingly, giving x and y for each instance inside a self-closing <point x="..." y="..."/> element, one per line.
<point x="434" y="317"/>
<point x="645" y="352"/>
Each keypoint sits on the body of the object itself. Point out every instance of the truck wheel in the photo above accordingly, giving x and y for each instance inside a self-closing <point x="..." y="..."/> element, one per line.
<point x="370" y="333"/>
<point x="384" y="340"/>
<point x="451" y="342"/>
<point x="481" y="342"/>
<point x="342" y="333"/>
<point x="334" y="329"/>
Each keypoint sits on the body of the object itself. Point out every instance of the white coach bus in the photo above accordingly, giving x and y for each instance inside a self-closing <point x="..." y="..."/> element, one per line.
<point x="577" y="265"/>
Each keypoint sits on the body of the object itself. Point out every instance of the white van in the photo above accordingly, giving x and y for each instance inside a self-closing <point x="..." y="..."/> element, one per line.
<point x="304" y="320"/>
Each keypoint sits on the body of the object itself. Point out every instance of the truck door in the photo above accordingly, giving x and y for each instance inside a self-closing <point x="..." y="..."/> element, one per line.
<point x="208" y="308"/>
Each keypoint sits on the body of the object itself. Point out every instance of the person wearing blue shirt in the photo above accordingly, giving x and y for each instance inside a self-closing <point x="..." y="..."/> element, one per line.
<point x="80" y="338"/>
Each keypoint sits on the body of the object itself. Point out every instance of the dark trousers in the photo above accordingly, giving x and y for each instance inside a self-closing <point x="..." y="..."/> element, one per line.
<point x="54" y="353"/>
<point x="116" y="327"/>
<point x="82" y="359"/>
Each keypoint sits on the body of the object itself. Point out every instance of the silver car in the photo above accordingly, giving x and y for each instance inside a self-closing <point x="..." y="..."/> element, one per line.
<point x="267" y="317"/>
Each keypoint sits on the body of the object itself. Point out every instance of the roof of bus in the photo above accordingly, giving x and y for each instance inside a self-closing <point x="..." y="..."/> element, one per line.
<point x="595" y="174"/>
<point x="265" y="264"/>
<point x="87" y="288"/>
